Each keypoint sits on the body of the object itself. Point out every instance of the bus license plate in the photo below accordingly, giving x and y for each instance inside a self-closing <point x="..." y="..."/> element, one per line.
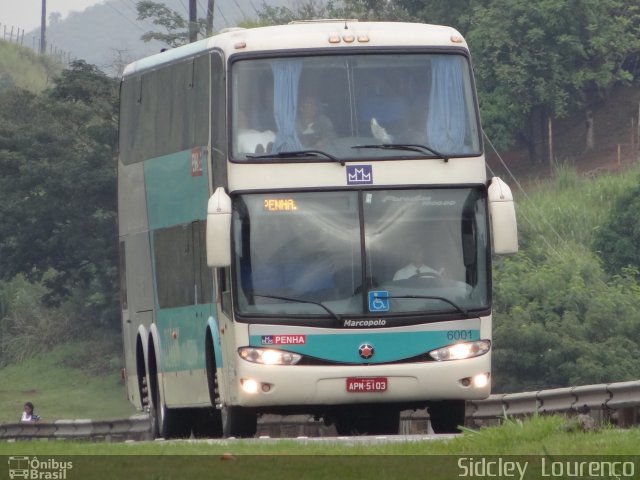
<point x="366" y="384"/>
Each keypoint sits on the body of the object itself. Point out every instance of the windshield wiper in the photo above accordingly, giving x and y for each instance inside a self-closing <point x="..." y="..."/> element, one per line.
<point x="463" y="310"/>
<point x="299" y="153"/>
<point x="410" y="147"/>
<point x="297" y="300"/>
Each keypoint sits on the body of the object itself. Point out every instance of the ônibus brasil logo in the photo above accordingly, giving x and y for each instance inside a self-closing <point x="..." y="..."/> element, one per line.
<point x="37" y="469"/>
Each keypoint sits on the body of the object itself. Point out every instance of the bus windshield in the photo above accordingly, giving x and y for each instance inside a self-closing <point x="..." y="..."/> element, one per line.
<point x="361" y="253"/>
<point x="392" y="105"/>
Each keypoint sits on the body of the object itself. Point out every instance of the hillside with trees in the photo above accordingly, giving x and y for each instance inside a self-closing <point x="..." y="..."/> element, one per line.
<point x="109" y="34"/>
<point x="567" y="306"/>
<point x="58" y="260"/>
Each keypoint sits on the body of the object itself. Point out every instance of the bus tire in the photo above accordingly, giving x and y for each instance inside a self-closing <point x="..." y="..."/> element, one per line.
<point x="165" y="422"/>
<point x="238" y="422"/>
<point x="447" y="415"/>
<point x="170" y="422"/>
<point x="210" y="423"/>
<point x="207" y="423"/>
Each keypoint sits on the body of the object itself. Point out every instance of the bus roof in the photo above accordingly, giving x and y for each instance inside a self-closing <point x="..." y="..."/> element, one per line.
<point x="314" y="34"/>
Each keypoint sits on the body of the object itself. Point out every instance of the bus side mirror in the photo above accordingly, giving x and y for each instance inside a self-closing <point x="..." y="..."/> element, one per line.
<point x="219" y="229"/>
<point x="502" y="211"/>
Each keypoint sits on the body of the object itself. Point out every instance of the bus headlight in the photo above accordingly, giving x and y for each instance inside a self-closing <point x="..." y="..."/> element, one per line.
<point x="268" y="356"/>
<point x="460" y="351"/>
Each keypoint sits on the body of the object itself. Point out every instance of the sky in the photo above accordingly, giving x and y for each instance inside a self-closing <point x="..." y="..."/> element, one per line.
<point x="25" y="14"/>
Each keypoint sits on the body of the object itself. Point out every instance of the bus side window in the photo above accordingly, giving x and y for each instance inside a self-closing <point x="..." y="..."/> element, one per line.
<point x="224" y="290"/>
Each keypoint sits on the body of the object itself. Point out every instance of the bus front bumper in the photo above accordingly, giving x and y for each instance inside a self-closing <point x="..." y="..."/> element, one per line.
<point x="256" y="385"/>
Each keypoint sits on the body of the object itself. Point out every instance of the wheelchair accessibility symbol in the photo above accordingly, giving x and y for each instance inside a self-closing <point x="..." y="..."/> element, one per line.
<point x="379" y="301"/>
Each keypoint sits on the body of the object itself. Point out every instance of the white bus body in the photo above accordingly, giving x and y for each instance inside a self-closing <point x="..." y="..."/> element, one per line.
<point x="262" y="245"/>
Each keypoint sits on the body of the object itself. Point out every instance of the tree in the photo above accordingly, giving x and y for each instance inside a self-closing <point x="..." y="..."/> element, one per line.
<point x="57" y="218"/>
<point x="370" y="10"/>
<point x="282" y="15"/>
<point x="175" y="25"/>
<point x="178" y="30"/>
<point x="454" y="13"/>
<point x="541" y="60"/>
<point x="563" y="322"/>
<point x="618" y="239"/>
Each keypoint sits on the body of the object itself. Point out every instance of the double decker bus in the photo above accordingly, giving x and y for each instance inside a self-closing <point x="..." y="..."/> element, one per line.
<point x="306" y="226"/>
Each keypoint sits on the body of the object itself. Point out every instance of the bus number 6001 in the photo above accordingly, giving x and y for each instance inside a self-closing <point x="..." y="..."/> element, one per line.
<point x="459" y="335"/>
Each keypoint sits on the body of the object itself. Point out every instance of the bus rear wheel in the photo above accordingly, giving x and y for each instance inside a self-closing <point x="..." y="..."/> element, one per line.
<point x="165" y="422"/>
<point x="447" y="415"/>
<point x="170" y="422"/>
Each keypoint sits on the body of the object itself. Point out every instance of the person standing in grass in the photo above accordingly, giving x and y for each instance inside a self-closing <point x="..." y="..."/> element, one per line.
<point x="28" y="414"/>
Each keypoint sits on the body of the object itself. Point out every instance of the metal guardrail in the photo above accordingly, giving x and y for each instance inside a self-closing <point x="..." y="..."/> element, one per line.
<point x="619" y="402"/>
<point x="606" y="396"/>
<point x="136" y="427"/>
<point x="620" y="399"/>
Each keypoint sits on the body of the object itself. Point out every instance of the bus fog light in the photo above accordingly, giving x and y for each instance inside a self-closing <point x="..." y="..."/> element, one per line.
<point x="266" y="387"/>
<point x="268" y="356"/>
<point x="249" y="386"/>
<point x="481" y="380"/>
<point x="460" y="351"/>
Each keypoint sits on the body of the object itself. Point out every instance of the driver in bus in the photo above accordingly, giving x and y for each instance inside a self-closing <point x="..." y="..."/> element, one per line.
<point x="418" y="266"/>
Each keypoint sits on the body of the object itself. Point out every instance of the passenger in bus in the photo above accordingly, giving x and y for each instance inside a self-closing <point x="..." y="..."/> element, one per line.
<point x="250" y="140"/>
<point x="381" y="109"/>
<point x="417" y="267"/>
<point x="314" y="129"/>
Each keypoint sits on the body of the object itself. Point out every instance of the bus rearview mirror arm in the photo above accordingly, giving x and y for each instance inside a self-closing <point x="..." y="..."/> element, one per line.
<point x="502" y="211"/>
<point x="219" y="229"/>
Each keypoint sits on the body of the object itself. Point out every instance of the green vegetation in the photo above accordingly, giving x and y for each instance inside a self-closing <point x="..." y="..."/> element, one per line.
<point x="58" y="246"/>
<point x="22" y="67"/>
<point x="57" y="218"/>
<point x="560" y="318"/>
<point x="619" y="237"/>
<point x="80" y="379"/>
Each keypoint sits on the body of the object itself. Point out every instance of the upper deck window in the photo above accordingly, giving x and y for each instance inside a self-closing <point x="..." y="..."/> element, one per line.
<point x="336" y="105"/>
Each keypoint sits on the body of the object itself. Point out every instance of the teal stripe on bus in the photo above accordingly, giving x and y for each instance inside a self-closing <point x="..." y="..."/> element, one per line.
<point x="388" y="346"/>
<point x="177" y="193"/>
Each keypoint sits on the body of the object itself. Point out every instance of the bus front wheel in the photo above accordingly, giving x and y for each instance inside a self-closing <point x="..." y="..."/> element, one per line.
<point x="447" y="415"/>
<point x="238" y="422"/>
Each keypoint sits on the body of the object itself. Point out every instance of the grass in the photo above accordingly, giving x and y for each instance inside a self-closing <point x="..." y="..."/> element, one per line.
<point x="76" y="380"/>
<point x="540" y="435"/>
<point x="571" y="207"/>
<point x="530" y="441"/>
<point x="22" y="67"/>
